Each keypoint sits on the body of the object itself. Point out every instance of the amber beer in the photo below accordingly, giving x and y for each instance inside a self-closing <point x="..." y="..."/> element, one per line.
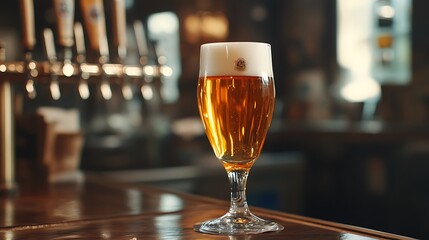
<point x="236" y="112"/>
<point x="235" y="95"/>
<point x="236" y="105"/>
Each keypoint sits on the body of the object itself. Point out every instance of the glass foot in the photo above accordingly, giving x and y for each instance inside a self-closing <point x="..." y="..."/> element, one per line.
<point x="237" y="225"/>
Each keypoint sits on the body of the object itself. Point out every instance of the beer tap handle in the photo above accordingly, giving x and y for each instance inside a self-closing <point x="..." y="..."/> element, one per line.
<point x="29" y="36"/>
<point x="29" y="41"/>
<point x="93" y="16"/>
<point x="54" y="86"/>
<point x="94" y="20"/>
<point x="64" y="11"/>
<point x="120" y="41"/>
<point x="119" y="28"/>
<point x="50" y="51"/>
<point x="80" y="42"/>
<point x="159" y="59"/>
<point x="141" y="41"/>
<point x="80" y="49"/>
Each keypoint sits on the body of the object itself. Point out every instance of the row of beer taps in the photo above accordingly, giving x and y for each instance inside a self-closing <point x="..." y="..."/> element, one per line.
<point x="72" y="64"/>
<point x="66" y="68"/>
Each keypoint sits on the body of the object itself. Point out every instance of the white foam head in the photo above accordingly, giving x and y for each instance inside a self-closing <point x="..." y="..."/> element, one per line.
<point x="236" y="59"/>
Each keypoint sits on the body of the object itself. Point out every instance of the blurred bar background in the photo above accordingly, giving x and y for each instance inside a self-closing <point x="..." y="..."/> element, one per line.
<point x="349" y="141"/>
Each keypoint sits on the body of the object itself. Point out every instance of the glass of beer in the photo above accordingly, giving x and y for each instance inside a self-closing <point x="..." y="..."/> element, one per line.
<point x="236" y="102"/>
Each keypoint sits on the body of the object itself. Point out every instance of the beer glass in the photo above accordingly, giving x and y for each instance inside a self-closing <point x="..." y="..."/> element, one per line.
<point x="236" y="102"/>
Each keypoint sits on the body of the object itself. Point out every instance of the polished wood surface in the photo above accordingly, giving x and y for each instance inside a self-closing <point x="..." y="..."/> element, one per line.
<point x="101" y="209"/>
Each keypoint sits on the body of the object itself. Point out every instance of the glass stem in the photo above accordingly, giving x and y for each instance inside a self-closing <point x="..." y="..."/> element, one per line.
<point x="237" y="180"/>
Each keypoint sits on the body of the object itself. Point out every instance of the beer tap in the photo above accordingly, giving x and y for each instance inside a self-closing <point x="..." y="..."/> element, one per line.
<point x="151" y="73"/>
<point x="64" y="11"/>
<point x="80" y="59"/>
<point x="54" y="86"/>
<point x="120" y="41"/>
<point x="119" y="28"/>
<point x="141" y="42"/>
<point x="29" y="41"/>
<point x="93" y="16"/>
<point x="146" y="91"/>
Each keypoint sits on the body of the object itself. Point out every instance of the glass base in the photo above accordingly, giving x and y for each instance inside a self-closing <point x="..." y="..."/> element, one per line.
<point x="237" y="225"/>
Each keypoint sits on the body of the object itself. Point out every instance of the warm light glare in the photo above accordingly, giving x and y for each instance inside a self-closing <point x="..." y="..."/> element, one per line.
<point x="83" y="90"/>
<point x="106" y="91"/>
<point x="162" y="60"/>
<point x="29" y="87"/>
<point x="32" y="65"/>
<point x="148" y="70"/>
<point x="9" y="235"/>
<point x="68" y="70"/>
<point x="360" y="90"/>
<point x="133" y="71"/>
<point x="55" y="90"/>
<point x="112" y="69"/>
<point x="170" y="202"/>
<point x="147" y="92"/>
<point x="34" y="73"/>
<point x="163" y="23"/>
<point x="353" y="36"/>
<point x="134" y="200"/>
<point x="12" y="67"/>
<point x="19" y="68"/>
<point x="386" y="11"/>
<point x="205" y="25"/>
<point x="91" y="69"/>
<point x="127" y="92"/>
<point x="166" y="71"/>
<point x="350" y="236"/>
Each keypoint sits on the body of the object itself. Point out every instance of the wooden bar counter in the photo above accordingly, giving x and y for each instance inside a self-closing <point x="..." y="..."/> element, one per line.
<point x="101" y="209"/>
